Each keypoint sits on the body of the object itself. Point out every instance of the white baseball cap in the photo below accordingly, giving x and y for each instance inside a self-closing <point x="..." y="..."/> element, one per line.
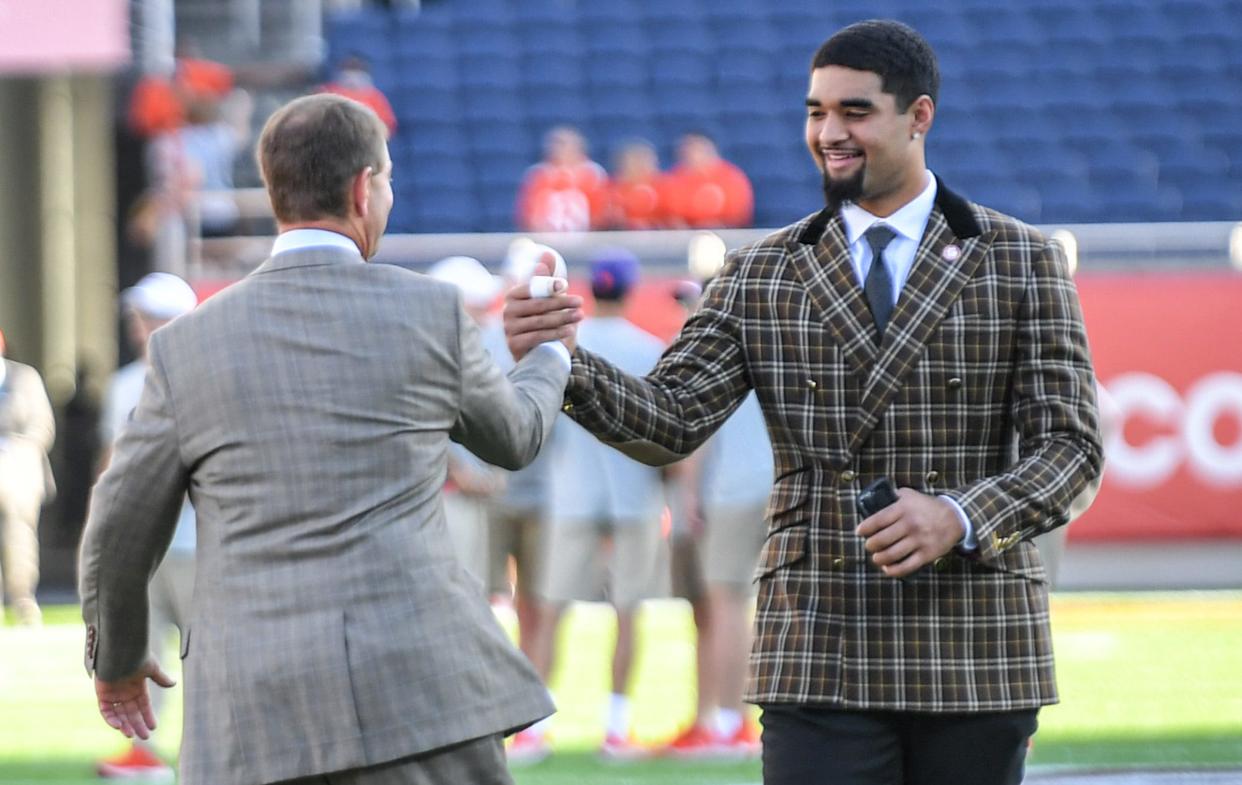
<point x="478" y="287"/>
<point x="161" y="296"/>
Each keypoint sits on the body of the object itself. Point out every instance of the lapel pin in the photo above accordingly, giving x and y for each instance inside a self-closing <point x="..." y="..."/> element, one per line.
<point x="951" y="253"/>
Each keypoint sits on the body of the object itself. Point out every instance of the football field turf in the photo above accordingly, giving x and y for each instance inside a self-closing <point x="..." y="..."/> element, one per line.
<point x="1147" y="680"/>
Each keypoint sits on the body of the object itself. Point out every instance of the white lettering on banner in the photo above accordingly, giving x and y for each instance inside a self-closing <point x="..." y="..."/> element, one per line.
<point x="1189" y="430"/>
<point x="1214" y="395"/>
<point x="1152" y="463"/>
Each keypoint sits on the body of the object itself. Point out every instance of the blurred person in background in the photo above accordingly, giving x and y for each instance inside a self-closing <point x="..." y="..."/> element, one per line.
<point x="636" y="198"/>
<point x="726" y="483"/>
<point x="605" y="511"/>
<point x="353" y="80"/>
<point x="309" y="409"/>
<point x="517" y="517"/>
<point x="158" y="102"/>
<point x="154" y="301"/>
<point x="27" y="431"/>
<point x="197" y="159"/>
<point x="704" y="191"/>
<point x="471" y="483"/>
<point x="905" y="333"/>
<point x="566" y="191"/>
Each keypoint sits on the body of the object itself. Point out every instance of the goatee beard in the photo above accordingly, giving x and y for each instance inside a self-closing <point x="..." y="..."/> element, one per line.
<point x="838" y="192"/>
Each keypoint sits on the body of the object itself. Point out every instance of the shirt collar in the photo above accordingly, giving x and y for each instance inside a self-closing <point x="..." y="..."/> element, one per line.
<point x="909" y="221"/>
<point x="300" y="239"/>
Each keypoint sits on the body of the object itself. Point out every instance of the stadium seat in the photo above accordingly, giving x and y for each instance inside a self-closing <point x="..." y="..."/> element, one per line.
<point x="552" y="69"/>
<point x="608" y="70"/>
<point x="480" y="71"/>
<point x="561" y="37"/>
<point x="681" y="69"/>
<point x="746" y="68"/>
<point x="430" y="135"/>
<point x="731" y="36"/>
<point x="626" y="37"/>
<point x="549" y="106"/>
<point x="432" y="72"/>
<point x="419" y="101"/>
<point x="678" y="36"/>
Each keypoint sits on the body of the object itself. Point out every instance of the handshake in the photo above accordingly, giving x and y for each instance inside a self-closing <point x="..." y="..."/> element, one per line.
<point x="542" y="309"/>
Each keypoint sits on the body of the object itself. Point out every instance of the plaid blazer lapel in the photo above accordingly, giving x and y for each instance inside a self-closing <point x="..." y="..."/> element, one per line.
<point x="935" y="281"/>
<point x="820" y="257"/>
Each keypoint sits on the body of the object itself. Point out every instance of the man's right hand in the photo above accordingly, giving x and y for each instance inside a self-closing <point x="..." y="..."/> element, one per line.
<point x="530" y="321"/>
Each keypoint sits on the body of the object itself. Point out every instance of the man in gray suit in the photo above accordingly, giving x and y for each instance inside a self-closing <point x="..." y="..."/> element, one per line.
<point x="27" y="430"/>
<point x="309" y="409"/>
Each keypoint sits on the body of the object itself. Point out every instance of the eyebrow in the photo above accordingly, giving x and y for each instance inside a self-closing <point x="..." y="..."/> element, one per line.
<point x="847" y="103"/>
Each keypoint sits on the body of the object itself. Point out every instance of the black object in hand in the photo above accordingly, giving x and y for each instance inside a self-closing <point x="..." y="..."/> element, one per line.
<point x="876" y="497"/>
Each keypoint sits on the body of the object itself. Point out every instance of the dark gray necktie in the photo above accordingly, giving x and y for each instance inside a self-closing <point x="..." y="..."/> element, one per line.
<point x="879" y="284"/>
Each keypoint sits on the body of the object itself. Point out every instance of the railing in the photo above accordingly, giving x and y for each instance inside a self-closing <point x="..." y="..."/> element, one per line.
<point x="1099" y="247"/>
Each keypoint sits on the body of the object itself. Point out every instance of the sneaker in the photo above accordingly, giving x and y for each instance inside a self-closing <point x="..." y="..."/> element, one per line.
<point x="622" y="749"/>
<point x="743" y="745"/>
<point x="527" y="748"/>
<point x="693" y="743"/>
<point x="137" y="763"/>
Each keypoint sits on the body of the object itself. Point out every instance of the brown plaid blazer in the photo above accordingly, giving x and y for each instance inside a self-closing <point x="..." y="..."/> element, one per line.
<point x="981" y="390"/>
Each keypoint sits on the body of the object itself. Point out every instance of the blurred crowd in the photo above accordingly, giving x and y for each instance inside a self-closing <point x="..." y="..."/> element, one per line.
<point x="569" y="192"/>
<point x="196" y="127"/>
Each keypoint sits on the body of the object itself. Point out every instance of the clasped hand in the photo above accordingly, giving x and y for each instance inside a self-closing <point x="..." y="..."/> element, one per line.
<point x="912" y="532"/>
<point x="530" y="321"/>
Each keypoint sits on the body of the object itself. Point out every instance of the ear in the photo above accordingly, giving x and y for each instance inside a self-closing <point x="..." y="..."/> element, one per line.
<point x="360" y="191"/>
<point x="922" y="111"/>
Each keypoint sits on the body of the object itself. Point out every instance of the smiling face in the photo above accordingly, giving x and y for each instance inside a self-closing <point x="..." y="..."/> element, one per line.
<point x="869" y="152"/>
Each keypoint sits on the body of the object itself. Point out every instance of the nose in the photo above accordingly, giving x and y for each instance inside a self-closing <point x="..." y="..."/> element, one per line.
<point x="831" y="129"/>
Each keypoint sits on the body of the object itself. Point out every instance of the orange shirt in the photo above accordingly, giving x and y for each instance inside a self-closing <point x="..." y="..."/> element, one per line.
<point x="155" y="107"/>
<point x="557" y="198"/>
<point x="713" y="197"/>
<point x="204" y="77"/>
<point x="156" y="104"/>
<point x="638" y="204"/>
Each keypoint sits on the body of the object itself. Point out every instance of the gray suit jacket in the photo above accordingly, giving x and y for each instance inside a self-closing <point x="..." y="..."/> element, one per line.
<point x="309" y="410"/>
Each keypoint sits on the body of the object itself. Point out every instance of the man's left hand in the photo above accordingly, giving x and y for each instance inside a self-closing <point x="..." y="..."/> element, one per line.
<point x="912" y="532"/>
<point x="126" y="705"/>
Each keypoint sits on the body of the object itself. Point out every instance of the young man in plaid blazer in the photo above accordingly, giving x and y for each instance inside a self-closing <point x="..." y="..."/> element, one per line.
<point x="910" y="646"/>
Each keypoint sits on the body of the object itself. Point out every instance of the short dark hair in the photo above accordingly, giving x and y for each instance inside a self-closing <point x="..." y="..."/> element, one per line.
<point x="896" y="52"/>
<point x="309" y="151"/>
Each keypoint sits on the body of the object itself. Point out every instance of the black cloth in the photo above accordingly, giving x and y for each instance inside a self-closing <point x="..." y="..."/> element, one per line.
<point x="879" y="284"/>
<point x="813" y="745"/>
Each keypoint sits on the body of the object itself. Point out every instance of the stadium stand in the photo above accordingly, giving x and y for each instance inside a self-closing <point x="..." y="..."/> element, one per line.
<point x="1060" y="111"/>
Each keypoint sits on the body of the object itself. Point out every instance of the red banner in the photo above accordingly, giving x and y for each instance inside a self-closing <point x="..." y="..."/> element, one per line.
<point x="1168" y="349"/>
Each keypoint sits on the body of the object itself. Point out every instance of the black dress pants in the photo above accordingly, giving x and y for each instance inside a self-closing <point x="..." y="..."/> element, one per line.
<point x="812" y="745"/>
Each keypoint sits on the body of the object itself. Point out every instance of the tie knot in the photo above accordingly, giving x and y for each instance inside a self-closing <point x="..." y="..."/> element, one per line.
<point x="878" y="237"/>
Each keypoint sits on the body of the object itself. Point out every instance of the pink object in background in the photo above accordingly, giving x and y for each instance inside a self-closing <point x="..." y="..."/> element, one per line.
<point x="54" y="36"/>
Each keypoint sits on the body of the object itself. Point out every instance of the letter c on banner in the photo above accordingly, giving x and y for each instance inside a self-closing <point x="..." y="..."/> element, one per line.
<point x="1214" y="395"/>
<point x="1153" y="463"/>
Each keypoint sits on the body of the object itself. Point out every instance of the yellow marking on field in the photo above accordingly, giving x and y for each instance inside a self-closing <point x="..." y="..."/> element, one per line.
<point x="1075" y="611"/>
